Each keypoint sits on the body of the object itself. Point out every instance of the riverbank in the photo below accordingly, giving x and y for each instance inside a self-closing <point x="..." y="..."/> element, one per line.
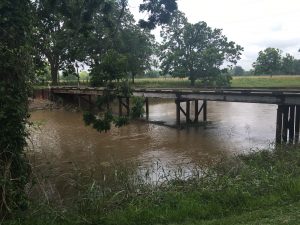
<point x="259" y="188"/>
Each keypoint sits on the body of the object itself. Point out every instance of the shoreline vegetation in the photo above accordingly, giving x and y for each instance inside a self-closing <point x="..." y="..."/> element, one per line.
<point x="278" y="81"/>
<point x="259" y="188"/>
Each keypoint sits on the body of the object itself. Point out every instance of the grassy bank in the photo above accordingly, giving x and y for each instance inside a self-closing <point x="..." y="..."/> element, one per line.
<point x="260" y="188"/>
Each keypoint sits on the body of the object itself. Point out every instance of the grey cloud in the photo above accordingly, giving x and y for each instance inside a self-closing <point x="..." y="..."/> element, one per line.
<point x="281" y="44"/>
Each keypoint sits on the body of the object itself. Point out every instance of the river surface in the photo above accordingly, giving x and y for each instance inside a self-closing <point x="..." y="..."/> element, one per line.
<point x="60" y="138"/>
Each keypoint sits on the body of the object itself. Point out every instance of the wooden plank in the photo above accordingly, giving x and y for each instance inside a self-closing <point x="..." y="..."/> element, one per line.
<point x="188" y="107"/>
<point x="196" y="111"/>
<point x="128" y="106"/>
<point x="292" y="124"/>
<point x="204" y="110"/>
<point x="147" y="108"/>
<point x="297" y="124"/>
<point x="285" y="123"/>
<point x="279" y="124"/>
<point x="177" y="102"/>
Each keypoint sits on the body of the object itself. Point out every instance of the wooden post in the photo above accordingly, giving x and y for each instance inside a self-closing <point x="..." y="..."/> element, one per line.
<point x="279" y="125"/>
<point x="204" y="110"/>
<point x="285" y="123"/>
<point x="196" y="111"/>
<point x="127" y="106"/>
<point x="90" y="102"/>
<point x="292" y="124"/>
<point x="297" y="124"/>
<point x="177" y="101"/>
<point x="147" y="108"/>
<point x="188" y="106"/>
<point x="79" y="101"/>
<point x="120" y="107"/>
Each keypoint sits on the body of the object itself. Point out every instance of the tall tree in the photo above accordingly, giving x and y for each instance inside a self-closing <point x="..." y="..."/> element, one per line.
<point x="138" y="46"/>
<point x="288" y="64"/>
<point x="238" y="71"/>
<point x="15" y="67"/>
<point x="60" y="28"/>
<point x="196" y="50"/>
<point x="268" y="61"/>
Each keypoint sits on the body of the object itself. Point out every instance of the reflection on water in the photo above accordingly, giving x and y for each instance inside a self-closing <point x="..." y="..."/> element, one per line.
<point x="63" y="139"/>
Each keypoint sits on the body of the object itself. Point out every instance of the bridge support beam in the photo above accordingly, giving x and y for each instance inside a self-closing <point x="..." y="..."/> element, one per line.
<point x="125" y="104"/>
<point x="147" y="108"/>
<point x="187" y="111"/>
<point x="288" y="124"/>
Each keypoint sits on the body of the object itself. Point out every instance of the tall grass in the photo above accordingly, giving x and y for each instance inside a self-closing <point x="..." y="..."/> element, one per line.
<point x="247" y="183"/>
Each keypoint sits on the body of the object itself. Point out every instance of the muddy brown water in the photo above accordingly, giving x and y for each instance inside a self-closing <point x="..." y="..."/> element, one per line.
<point x="61" y="139"/>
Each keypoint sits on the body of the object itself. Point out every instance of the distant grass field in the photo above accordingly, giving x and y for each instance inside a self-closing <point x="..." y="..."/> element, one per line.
<point x="266" y="81"/>
<point x="282" y="81"/>
<point x="241" y="81"/>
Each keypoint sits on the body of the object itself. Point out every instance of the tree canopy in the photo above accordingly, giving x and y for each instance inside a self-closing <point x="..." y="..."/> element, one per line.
<point x="271" y="62"/>
<point x="268" y="61"/>
<point x="196" y="50"/>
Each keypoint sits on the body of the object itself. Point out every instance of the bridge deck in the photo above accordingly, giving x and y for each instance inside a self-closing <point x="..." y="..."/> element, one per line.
<point x="266" y="96"/>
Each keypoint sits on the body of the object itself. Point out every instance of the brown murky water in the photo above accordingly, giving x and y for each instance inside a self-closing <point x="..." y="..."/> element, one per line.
<point x="62" y="138"/>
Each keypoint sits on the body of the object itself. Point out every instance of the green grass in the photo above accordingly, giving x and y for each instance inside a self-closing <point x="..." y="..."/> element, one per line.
<point x="266" y="81"/>
<point x="241" y="81"/>
<point x="260" y="188"/>
<point x="283" y="81"/>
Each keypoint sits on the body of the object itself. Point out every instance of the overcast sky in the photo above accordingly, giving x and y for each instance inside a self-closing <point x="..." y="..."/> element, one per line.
<point x="253" y="24"/>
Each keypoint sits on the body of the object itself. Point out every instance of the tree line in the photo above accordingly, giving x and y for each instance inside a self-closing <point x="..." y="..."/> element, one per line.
<point x="105" y="37"/>
<point x="271" y="62"/>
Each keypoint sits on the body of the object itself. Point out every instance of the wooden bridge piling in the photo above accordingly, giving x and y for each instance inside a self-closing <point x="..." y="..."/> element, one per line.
<point x="187" y="111"/>
<point x="147" y="108"/>
<point x="297" y="124"/>
<point x="287" y="124"/>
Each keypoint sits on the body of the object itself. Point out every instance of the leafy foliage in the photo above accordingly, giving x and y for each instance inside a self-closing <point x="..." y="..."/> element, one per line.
<point x="268" y="61"/>
<point x="160" y="12"/>
<point x="271" y="62"/>
<point x="102" y="121"/>
<point x="16" y="70"/>
<point x="112" y="66"/>
<point x="196" y="50"/>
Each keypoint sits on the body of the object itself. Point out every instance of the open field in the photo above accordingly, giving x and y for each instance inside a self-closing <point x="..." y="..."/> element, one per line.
<point x="266" y="81"/>
<point x="260" y="188"/>
<point x="283" y="81"/>
<point x="241" y="81"/>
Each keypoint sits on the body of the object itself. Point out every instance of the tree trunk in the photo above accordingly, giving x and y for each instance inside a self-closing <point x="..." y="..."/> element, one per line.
<point x="54" y="74"/>
<point x="192" y="78"/>
<point x="192" y="81"/>
<point x="133" y="75"/>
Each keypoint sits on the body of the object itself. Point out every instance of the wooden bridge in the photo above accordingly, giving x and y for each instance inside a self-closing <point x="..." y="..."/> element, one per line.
<point x="288" y="101"/>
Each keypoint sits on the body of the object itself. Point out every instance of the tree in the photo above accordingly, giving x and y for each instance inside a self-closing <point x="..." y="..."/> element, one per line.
<point x="268" y="62"/>
<point x="288" y="64"/>
<point x="112" y="67"/>
<point x="60" y="29"/>
<point x="138" y="46"/>
<point x="161" y="12"/>
<point x="16" y="70"/>
<point x="238" y="71"/>
<point x="196" y="50"/>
